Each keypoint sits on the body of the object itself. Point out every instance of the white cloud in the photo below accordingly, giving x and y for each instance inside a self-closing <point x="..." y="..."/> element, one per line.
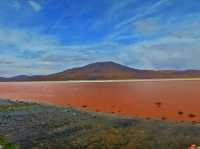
<point x="164" y="53"/>
<point x="35" y="5"/>
<point x="147" y="26"/>
<point x="142" y="11"/>
<point x="158" y="4"/>
<point x="21" y="51"/>
<point x="25" y="40"/>
<point x="141" y="25"/>
<point x="169" y="52"/>
<point x="34" y="53"/>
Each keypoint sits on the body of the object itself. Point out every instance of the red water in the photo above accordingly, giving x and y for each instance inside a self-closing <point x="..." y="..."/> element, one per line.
<point x="160" y="99"/>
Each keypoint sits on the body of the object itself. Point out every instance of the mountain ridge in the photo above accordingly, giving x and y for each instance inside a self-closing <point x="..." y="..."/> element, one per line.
<point x="106" y="71"/>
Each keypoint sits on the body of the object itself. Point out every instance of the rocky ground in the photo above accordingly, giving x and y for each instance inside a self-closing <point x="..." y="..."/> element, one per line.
<point x="35" y="126"/>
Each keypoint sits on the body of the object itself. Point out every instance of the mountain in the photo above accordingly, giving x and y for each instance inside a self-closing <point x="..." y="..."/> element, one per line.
<point x="3" y="79"/>
<point x="107" y="71"/>
<point x="20" y="77"/>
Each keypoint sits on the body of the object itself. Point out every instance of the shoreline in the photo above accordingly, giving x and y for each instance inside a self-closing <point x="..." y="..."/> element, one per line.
<point x="107" y="81"/>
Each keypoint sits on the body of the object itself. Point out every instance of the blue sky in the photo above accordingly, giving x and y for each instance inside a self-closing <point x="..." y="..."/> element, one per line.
<point x="47" y="36"/>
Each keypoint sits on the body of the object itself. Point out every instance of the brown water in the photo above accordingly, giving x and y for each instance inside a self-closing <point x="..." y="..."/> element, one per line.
<point x="175" y="100"/>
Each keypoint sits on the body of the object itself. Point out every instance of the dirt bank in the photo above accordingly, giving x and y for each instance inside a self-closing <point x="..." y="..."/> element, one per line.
<point x="30" y="125"/>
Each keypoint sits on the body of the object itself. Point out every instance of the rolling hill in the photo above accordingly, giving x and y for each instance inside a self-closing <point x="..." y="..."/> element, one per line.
<point x="107" y="71"/>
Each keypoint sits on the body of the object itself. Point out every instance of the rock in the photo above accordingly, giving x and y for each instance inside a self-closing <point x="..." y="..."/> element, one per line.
<point x="66" y="110"/>
<point x="124" y="122"/>
<point x="1" y="147"/>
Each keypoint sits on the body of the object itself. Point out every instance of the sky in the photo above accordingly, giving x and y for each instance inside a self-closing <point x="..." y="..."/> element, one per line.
<point x="48" y="36"/>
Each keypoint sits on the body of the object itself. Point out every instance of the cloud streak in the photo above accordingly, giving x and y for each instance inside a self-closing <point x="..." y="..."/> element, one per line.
<point x="35" y="5"/>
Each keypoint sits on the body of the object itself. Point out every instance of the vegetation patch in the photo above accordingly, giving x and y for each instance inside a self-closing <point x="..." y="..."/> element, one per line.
<point x="4" y="144"/>
<point x="16" y="106"/>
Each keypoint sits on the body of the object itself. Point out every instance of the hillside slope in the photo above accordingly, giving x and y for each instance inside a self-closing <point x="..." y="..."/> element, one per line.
<point x="107" y="71"/>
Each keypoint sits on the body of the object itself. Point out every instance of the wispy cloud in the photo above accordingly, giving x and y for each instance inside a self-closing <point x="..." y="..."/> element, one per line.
<point x="147" y="26"/>
<point x="142" y="11"/>
<point x="25" y="40"/>
<point x="153" y="34"/>
<point x="35" y="5"/>
<point x="35" y="53"/>
<point x="157" y="5"/>
<point x="141" y="22"/>
<point x="164" y="53"/>
<point x="5" y="62"/>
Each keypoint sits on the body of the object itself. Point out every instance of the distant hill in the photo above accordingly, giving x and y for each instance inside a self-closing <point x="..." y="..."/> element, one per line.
<point x="3" y="79"/>
<point x="107" y="71"/>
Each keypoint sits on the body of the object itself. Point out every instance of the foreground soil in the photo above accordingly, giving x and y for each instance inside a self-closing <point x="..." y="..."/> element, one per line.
<point x="35" y="126"/>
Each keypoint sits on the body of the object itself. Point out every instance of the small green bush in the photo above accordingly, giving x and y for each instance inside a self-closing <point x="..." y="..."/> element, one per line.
<point x="6" y="145"/>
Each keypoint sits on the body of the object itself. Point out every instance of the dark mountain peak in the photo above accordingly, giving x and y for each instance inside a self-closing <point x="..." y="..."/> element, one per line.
<point x="3" y="79"/>
<point x="20" y="77"/>
<point x="105" y="66"/>
<point x="104" y="63"/>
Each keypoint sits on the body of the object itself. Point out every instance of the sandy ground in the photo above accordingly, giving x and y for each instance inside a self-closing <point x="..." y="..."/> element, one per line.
<point x="31" y="126"/>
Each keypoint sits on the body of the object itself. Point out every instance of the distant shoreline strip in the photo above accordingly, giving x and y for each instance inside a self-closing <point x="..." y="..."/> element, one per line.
<point x="108" y="81"/>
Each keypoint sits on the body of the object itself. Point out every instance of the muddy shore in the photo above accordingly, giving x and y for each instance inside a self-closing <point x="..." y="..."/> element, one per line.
<point x="36" y="126"/>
